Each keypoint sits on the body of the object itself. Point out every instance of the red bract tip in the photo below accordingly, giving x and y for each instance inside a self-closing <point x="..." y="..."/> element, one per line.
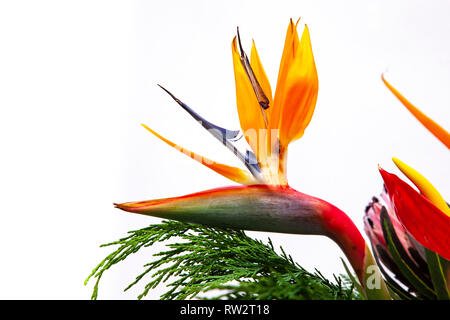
<point x="423" y="220"/>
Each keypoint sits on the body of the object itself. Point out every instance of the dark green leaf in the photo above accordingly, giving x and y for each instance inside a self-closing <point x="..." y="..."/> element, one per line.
<point x="435" y="265"/>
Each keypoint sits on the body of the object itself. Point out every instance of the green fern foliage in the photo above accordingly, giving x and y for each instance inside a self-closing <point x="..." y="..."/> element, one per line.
<point x="200" y="259"/>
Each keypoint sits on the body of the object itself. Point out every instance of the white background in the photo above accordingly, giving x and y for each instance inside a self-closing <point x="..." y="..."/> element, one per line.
<point x="78" y="77"/>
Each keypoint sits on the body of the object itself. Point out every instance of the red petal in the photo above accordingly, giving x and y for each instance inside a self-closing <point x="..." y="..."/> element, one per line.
<point x="424" y="221"/>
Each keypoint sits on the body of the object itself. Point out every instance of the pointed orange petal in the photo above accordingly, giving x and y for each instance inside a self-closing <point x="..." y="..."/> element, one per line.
<point x="291" y="43"/>
<point x="249" y="110"/>
<point x="260" y="74"/>
<point x="301" y="88"/>
<point x="427" y="122"/>
<point x="235" y="174"/>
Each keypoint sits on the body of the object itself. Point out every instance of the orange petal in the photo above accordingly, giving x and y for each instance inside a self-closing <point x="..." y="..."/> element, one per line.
<point x="301" y="89"/>
<point x="235" y="174"/>
<point x="260" y="74"/>
<point x="250" y="113"/>
<point x="290" y="47"/>
<point x="428" y="123"/>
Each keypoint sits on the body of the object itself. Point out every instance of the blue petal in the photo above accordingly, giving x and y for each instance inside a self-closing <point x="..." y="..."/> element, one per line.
<point x="227" y="137"/>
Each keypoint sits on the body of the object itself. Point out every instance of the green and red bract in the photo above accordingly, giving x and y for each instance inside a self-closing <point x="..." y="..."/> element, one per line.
<point x="261" y="208"/>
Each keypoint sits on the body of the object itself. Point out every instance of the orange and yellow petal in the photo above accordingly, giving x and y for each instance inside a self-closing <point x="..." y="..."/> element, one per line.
<point x="291" y="44"/>
<point x="426" y="121"/>
<point x="249" y="110"/>
<point x="233" y="173"/>
<point x="251" y="115"/>
<point x="302" y="85"/>
<point x="260" y="74"/>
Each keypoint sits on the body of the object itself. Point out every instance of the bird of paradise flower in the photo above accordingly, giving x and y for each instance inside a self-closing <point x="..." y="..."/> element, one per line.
<point x="265" y="201"/>
<point x="409" y="230"/>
